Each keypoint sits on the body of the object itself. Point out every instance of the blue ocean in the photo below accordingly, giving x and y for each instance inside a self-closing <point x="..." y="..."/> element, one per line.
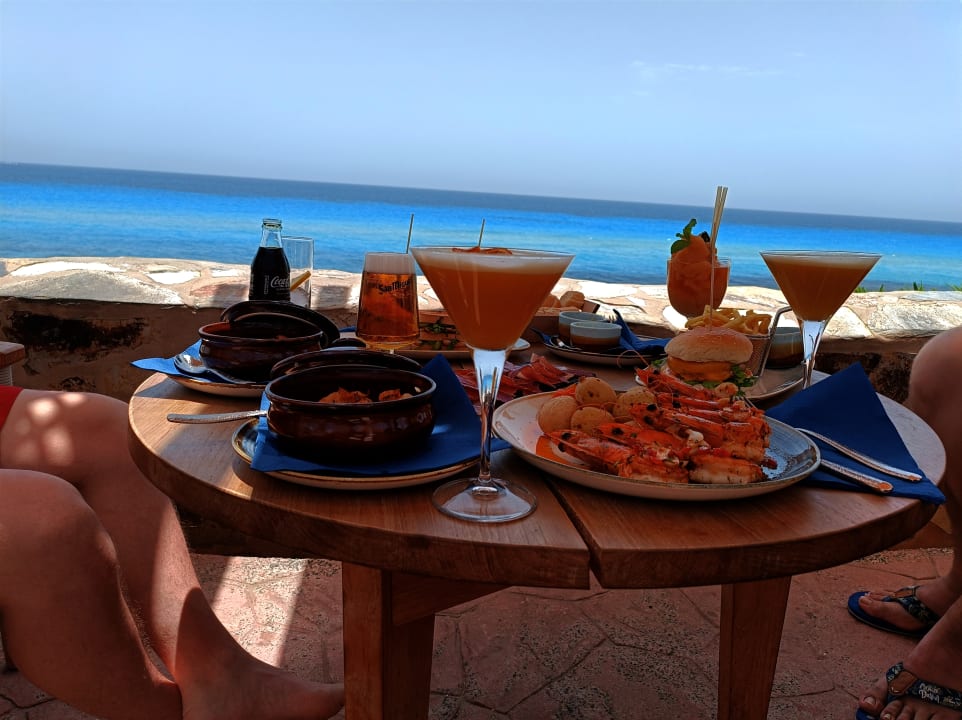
<point x="52" y="211"/>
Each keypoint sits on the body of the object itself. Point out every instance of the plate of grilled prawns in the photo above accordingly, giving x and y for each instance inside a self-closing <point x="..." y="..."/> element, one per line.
<point x="665" y="439"/>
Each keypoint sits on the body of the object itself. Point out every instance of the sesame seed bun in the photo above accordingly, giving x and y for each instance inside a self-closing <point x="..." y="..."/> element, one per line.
<point x="707" y="354"/>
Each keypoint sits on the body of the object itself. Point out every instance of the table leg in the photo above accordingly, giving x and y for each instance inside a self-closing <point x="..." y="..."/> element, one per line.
<point x="752" y="616"/>
<point x="387" y="667"/>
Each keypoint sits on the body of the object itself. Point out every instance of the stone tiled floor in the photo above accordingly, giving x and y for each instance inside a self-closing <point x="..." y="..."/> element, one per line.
<point x="534" y="654"/>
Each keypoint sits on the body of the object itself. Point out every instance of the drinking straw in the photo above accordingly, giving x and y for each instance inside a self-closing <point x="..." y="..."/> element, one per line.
<point x="721" y="192"/>
<point x="482" y="232"/>
<point x="300" y="279"/>
<point x="410" y="227"/>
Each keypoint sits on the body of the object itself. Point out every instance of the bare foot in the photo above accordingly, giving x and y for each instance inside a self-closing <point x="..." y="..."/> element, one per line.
<point x="260" y="691"/>
<point x="937" y="595"/>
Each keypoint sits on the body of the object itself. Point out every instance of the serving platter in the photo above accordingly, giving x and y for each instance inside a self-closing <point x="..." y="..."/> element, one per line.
<point x="223" y="389"/>
<point x="772" y="383"/>
<point x="245" y="438"/>
<point x="626" y="358"/>
<point x="457" y="354"/>
<point x="775" y="381"/>
<point x="516" y="422"/>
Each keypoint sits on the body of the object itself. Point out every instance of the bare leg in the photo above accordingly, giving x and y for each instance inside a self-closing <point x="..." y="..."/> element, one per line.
<point x="937" y="658"/>
<point x="936" y="397"/>
<point x="64" y="616"/>
<point x="83" y="438"/>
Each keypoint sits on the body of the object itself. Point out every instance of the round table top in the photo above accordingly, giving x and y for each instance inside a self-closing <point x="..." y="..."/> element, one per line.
<point x="575" y="531"/>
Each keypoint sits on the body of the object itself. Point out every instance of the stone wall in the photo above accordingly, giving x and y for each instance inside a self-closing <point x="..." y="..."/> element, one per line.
<point x="83" y="320"/>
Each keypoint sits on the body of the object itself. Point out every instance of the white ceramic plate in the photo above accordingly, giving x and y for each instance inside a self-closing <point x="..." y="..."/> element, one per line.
<point x="794" y="454"/>
<point x="465" y="354"/>
<point x="771" y="383"/>
<point x="625" y="359"/>
<point x="775" y="381"/>
<point x="245" y="437"/>
<point x="220" y="388"/>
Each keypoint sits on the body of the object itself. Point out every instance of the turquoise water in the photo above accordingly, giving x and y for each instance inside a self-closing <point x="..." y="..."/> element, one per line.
<point x="50" y="211"/>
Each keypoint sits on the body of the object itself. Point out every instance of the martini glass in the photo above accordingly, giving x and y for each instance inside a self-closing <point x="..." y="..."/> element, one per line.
<point x="491" y="295"/>
<point x="816" y="283"/>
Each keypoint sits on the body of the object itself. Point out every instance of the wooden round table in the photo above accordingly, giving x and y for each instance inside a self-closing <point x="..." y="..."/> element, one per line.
<point x="403" y="561"/>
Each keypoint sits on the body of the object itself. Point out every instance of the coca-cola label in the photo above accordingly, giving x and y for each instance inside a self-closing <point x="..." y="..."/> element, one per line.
<point x="276" y="282"/>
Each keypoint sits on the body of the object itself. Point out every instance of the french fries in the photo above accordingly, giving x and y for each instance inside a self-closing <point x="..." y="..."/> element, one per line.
<point x="749" y="323"/>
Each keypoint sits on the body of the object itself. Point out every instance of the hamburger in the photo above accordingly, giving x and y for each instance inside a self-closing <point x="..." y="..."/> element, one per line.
<point x="709" y="355"/>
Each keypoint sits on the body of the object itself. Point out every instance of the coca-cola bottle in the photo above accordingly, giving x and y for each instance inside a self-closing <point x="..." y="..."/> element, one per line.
<point x="270" y="271"/>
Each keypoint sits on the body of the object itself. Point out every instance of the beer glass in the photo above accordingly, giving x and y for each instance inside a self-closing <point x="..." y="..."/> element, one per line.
<point x="387" y="306"/>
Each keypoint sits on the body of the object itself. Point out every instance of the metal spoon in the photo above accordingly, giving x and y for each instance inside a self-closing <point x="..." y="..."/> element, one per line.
<point x="215" y="417"/>
<point x="193" y="365"/>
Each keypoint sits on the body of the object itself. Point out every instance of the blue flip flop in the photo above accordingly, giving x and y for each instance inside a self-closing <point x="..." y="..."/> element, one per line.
<point x="905" y="597"/>
<point x="902" y="683"/>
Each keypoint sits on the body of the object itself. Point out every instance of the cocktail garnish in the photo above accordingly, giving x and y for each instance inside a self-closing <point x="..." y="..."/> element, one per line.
<point x="484" y="251"/>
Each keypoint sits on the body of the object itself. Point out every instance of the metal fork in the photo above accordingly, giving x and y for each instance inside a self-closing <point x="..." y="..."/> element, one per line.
<point x="866" y="460"/>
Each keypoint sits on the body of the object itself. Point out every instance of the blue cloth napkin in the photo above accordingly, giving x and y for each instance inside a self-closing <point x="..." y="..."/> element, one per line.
<point x="166" y="366"/>
<point x="456" y="437"/>
<point x="630" y="341"/>
<point x="845" y="407"/>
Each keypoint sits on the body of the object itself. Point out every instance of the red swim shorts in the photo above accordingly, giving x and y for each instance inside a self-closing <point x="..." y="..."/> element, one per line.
<point x="8" y="393"/>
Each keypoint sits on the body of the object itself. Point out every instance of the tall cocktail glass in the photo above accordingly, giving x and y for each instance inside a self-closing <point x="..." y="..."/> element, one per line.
<point x="491" y="295"/>
<point x="693" y="285"/>
<point x="816" y="283"/>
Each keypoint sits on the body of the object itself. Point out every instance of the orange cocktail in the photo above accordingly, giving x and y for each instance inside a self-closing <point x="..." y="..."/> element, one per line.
<point x="816" y="283"/>
<point x="491" y="295"/>
<point x="690" y="284"/>
<point x="697" y="277"/>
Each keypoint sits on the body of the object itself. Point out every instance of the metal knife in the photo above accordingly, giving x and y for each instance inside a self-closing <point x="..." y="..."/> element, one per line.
<point x="879" y="486"/>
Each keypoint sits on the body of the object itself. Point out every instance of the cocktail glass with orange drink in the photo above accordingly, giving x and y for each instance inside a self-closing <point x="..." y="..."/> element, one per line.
<point x="491" y="294"/>
<point x="816" y="283"/>
<point x="697" y="277"/>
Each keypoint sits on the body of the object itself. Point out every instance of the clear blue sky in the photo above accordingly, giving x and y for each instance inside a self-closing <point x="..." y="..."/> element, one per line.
<point x="832" y="107"/>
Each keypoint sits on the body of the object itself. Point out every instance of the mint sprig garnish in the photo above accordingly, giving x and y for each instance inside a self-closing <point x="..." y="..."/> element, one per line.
<point x="684" y="237"/>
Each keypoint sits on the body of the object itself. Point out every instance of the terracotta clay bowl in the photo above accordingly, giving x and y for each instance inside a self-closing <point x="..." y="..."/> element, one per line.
<point x="343" y="356"/>
<point x="249" y="348"/>
<point x="786" y="350"/>
<point x="261" y="310"/>
<point x="306" y="426"/>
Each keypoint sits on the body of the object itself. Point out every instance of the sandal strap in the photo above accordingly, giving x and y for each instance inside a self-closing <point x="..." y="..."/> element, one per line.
<point x="907" y="598"/>
<point x="902" y="682"/>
